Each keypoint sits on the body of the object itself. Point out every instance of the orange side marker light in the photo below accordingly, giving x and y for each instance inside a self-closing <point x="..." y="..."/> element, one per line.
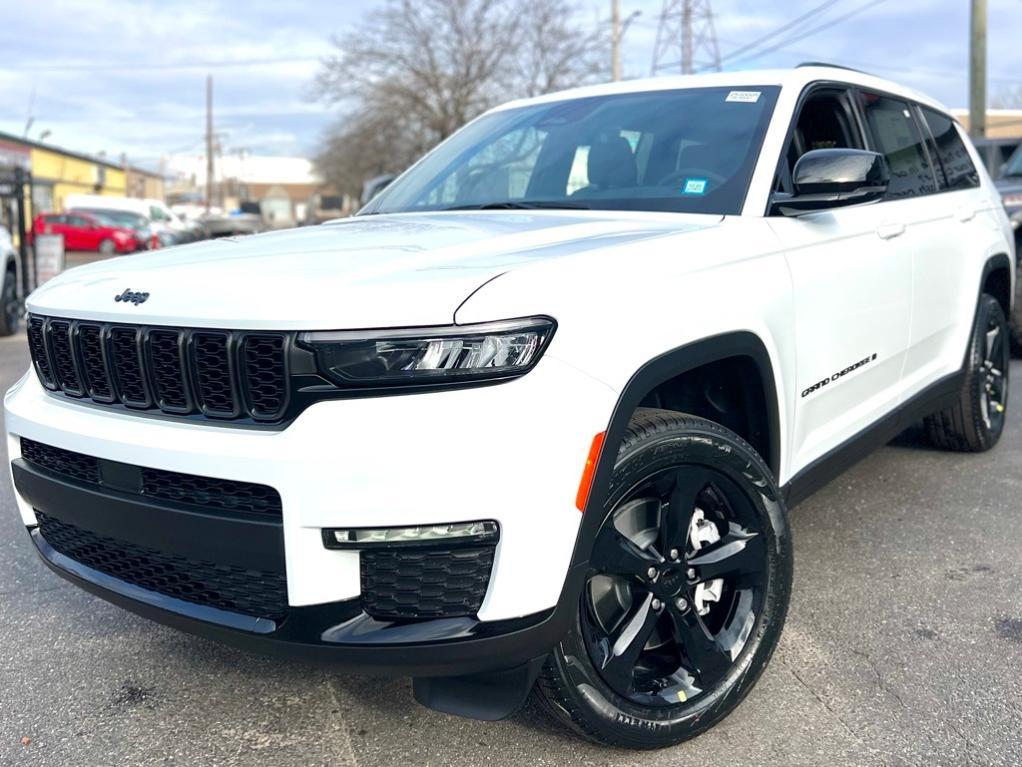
<point x="589" y="471"/>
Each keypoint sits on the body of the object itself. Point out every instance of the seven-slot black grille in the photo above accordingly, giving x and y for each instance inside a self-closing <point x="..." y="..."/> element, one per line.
<point x="258" y="593"/>
<point x="179" y="371"/>
<point x="205" y="493"/>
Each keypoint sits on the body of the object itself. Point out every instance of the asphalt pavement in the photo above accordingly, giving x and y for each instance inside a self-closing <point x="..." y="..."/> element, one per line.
<point x="903" y="647"/>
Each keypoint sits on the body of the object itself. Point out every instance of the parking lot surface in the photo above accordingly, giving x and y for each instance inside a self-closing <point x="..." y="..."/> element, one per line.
<point x="903" y="647"/>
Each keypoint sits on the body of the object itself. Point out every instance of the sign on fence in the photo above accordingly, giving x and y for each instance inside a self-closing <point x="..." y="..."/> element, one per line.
<point x="49" y="256"/>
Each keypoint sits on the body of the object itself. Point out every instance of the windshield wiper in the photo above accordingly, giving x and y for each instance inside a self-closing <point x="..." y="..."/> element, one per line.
<point x="520" y="205"/>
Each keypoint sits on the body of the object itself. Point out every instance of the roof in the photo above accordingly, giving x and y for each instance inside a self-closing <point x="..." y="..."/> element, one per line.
<point x="797" y="78"/>
<point x="11" y="138"/>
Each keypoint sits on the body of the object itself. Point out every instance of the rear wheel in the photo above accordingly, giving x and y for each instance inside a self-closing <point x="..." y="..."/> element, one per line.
<point x="10" y="307"/>
<point x="688" y="587"/>
<point x="975" y="422"/>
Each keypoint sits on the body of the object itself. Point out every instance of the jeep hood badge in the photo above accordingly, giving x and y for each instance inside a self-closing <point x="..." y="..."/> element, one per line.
<point x="131" y="296"/>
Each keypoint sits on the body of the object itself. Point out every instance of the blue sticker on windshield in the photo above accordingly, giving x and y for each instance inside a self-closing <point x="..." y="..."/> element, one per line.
<point x="695" y="186"/>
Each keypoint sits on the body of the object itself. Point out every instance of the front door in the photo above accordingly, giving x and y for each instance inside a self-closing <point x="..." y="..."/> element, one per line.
<point x="852" y="278"/>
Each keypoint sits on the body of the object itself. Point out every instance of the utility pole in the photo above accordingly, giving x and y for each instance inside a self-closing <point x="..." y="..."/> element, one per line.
<point x="209" y="142"/>
<point x="615" y="40"/>
<point x="978" y="69"/>
<point x="686" y="37"/>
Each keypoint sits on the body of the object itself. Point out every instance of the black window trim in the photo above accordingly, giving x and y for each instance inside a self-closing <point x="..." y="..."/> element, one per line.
<point x="810" y="90"/>
<point x="865" y="135"/>
<point x="932" y="141"/>
<point x="913" y="107"/>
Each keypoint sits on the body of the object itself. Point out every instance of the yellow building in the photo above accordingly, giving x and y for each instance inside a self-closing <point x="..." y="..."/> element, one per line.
<point x="56" y="173"/>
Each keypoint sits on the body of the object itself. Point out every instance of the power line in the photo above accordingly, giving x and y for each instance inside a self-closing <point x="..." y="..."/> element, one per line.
<point x="812" y="31"/>
<point x="783" y="28"/>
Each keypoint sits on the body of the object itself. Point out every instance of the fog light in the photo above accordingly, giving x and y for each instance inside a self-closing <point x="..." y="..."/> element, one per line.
<point x="454" y="534"/>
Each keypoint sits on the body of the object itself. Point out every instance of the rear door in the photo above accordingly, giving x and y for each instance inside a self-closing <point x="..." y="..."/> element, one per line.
<point x="852" y="292"/>
<point x="80" y="234"/>
<point x="920" y="220"/>
<point x="944" y="302"/>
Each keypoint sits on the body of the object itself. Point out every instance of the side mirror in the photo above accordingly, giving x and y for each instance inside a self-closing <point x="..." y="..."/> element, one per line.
<point x="833" y="178"/>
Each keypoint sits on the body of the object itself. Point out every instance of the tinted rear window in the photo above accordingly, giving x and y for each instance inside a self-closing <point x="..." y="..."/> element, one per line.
<point x="897" y="137"/>
<point x="956" y="170"/>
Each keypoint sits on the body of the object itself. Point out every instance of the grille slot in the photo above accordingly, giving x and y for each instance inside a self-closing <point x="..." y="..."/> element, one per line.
<point x="213" y="372"/>
<point x="219" y="374"/>
<point x="94" y="367"/>
<point x="166" y="361"/>
<point x="425" y="583"/>
<point x="258" y="593"/>
<point x="59" y="334"/>
<point x="84" y="468"/>
<point x="37" y="348"/>
<point x="127" y="364"/>
<point x="265" y="375"/>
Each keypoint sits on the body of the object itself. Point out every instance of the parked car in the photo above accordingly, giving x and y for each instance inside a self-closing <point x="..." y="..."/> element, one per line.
<point x="10" y="297"/>
<point x="532" y="420"/>
<point x="1009" y="184"/>
<point x="170" y="229"/>
<point x="86" y="231"/>
<point x="139" y="224"/>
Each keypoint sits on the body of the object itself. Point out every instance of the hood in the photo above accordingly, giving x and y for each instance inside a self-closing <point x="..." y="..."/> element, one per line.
<point x="364" y="272"/>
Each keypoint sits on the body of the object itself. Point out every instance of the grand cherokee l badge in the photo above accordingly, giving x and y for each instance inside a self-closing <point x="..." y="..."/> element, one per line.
<point x="130" y="296"/>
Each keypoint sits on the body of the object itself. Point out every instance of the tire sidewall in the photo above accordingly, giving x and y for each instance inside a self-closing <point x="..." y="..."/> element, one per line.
<point x="989" y="306"/>
<point x="622" y="721"/>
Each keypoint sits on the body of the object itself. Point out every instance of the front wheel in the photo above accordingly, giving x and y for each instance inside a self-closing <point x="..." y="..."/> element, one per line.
<point x="688" y="588"/>
<point x="107" y="247"/>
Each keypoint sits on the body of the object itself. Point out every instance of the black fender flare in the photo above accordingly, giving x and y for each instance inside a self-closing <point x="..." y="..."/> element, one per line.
<point x="653" y="373"/>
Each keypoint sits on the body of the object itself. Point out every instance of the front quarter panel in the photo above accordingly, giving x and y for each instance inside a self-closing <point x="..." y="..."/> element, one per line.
<point x="619" y="308"/>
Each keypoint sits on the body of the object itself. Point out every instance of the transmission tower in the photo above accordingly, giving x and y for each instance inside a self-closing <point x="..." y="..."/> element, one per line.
<point x="686" y="38"/>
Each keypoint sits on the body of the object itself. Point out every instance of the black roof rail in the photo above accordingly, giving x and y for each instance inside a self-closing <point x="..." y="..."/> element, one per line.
<point x="831" y="66"/>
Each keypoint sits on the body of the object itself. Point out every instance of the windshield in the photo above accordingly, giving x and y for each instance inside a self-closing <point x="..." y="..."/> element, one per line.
<point x="690" y="150"/>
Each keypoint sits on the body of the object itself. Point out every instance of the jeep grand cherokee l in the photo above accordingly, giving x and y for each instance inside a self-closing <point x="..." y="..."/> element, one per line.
<point x="534" y="418"/>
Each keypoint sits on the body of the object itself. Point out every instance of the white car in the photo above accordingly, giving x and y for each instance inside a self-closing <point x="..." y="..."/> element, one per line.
<point x="10" y="295"/>
<point x="532" y="420"/>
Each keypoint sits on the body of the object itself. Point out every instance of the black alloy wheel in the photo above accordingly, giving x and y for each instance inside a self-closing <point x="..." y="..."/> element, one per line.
<point x="976" y="421"/>
<point x="993" y="374"/>
<point x="687" y="589"/>
<point x="679" y="575"/>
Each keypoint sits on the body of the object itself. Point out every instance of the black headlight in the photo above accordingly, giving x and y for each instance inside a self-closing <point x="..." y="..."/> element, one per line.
<point x="433" y="355"/>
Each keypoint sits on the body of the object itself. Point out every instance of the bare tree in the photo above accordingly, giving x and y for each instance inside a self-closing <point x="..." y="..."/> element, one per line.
<point x="1008" y="98"/>
<point x="416" y="71"/>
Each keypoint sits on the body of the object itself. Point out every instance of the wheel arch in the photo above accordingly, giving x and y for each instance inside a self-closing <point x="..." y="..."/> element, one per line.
<point x="659" y="371"/>
<point x="996" y="281"/>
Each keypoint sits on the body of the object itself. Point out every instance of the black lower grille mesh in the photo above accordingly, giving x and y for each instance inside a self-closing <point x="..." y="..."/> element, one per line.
<point x="425" y="583"/>
<point x="206" y="493"/>
<point x="67" y="463"/>
<point x="210" y="492"/>
<point x="257" y="593"/>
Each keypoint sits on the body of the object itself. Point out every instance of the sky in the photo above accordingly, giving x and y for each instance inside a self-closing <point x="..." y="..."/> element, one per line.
<point x="128" y="76"/>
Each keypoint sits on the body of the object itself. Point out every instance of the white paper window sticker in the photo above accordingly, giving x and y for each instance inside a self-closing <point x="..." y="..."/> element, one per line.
<point x="744" y="97"/>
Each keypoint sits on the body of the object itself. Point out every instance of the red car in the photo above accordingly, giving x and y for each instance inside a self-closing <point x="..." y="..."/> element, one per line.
<point x="85" y="231"/>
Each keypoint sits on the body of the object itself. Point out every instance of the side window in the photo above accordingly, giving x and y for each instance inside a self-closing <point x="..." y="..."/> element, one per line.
<point x="825" y="121"/>
<point x="958" y="172"/>
<point x="897" y="137"/>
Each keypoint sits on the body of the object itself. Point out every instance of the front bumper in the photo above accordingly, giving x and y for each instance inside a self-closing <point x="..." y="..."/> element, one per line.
<point x="512" y="453"/>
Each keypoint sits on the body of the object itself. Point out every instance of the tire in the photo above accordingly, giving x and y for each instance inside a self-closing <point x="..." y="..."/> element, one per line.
<point x="624" y="693"/>
<point x="974" y="424"/>
<point x="10" y="306"/>
<point x="107" y="247"/>
<point x="1016" y="314"/>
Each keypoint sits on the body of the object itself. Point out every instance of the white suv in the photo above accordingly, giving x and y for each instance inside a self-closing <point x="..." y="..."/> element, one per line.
<point x="534" y="418"/>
